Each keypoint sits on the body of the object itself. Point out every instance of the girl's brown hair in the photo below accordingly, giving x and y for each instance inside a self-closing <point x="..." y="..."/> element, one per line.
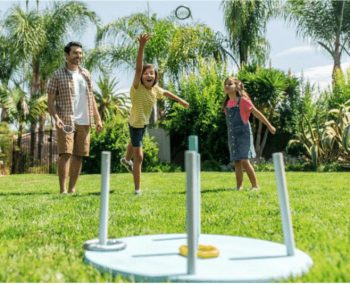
<point x="149" y="66"/>
<point x="241" y="92"/>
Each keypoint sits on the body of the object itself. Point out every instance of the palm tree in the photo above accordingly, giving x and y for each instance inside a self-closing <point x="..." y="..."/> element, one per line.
<point x="37" y="37"/>
<point x="245" y="22"/>
<point x="172" y="47"/>
<point x="326" y="22"/>
<point x="22" y="110"/>
<point x="110" y="102"/>
<point x="8" y="64"/>
<point x="8" y="61"/>
<point x="4" y="102"/>
<point x="190" y="44"/>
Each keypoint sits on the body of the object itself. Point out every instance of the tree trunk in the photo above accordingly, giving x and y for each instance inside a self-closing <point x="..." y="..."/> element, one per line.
<point x="263" y="144"/>
<point x="4" y="115"/>
<point x="14" y="156"/>
<point x="41" y="125"/>
<point x="258" y="141"/>
<point x="337" y="60"/>
<point x="34" y="92"/>
<point x="32" y="143"/>
<point x="243" y="56"/>
<point x="17" y="150"/>
<point x="337" y="49"/>
<point x="19" y="138"/>
<point x="51" y="151"/>
<point x="41" y="137"/>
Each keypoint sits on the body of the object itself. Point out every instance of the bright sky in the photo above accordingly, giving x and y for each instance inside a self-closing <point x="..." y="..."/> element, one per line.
<point x="288" y="52"/>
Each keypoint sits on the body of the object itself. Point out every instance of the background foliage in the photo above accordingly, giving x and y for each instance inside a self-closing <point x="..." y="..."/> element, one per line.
<point x="114" y="138"/>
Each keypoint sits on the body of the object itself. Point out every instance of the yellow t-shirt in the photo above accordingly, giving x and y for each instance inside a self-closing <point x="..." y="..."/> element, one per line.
<point x="142" y="102"/>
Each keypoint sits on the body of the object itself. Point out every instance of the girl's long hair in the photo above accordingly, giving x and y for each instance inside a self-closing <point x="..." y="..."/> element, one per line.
<point x="241" y="92"/>
<point x="149" y="66"/>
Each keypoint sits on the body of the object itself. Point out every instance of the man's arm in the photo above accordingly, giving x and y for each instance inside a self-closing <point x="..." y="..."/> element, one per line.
<point x="97" y="116"/>
<point x="52" y="109"/>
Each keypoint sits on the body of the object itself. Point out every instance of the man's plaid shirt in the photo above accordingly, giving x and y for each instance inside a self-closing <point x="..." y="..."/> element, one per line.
<point x="61" y="85"/>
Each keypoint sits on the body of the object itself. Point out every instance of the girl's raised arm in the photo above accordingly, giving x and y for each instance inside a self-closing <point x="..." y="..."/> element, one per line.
<point x="139" y="60"/>
<point x="176" y="98"/>
<point x="263" y="119"/>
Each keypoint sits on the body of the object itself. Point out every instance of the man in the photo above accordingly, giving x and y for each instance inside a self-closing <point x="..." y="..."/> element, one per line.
<point x="72" y="105"/>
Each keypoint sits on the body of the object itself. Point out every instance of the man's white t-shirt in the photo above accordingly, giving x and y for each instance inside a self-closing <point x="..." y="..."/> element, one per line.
<point x="81" y="116"/>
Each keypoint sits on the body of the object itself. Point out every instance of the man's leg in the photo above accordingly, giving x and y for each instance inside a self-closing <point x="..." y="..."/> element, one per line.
<point x="65" y="147"/>
<point x="81" y="149"/>
<point x="74" y="172"/>
<point x="63" y="168"/>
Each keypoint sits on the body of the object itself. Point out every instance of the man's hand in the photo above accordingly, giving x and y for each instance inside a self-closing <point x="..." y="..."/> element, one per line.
<point x="59" y="122"/>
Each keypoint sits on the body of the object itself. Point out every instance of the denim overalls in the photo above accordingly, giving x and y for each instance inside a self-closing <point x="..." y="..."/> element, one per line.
<point x="240" y="136"/>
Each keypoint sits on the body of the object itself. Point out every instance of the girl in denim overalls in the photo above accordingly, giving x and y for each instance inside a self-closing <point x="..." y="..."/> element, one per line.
<point x="238" y="107"/>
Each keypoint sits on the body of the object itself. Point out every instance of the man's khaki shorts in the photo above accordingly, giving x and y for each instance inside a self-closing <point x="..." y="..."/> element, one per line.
<point x="76" y="143"/>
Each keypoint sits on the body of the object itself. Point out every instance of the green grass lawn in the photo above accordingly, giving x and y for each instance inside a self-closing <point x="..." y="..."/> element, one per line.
<point x="42" y="232"/>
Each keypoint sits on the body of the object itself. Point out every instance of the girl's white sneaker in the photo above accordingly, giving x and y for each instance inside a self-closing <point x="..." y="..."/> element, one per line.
<point x="127" y="164"/>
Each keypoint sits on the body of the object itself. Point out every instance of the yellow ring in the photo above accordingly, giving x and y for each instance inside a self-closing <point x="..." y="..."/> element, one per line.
<point x="203" y="251"/>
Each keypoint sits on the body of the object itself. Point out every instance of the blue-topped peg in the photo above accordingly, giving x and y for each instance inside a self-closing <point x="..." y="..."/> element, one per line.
<point x="193" y="143"/>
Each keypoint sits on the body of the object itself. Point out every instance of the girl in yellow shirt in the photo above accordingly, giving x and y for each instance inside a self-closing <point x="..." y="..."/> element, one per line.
<point x="144" y="93"/>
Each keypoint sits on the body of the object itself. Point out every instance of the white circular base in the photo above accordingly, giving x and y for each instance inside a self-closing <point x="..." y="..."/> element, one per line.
<point x="111" y="245"/>
<point x="156" y="258"/>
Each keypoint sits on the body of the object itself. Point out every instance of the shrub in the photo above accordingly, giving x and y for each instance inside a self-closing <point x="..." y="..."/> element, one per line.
<point x="5" y="147"/>
<point x="114" y="138"/>
<point x="204" y="92"/>
<point x="211" y="166"/>
<point x="273" y="92"/>
<point x="264" y="166"/>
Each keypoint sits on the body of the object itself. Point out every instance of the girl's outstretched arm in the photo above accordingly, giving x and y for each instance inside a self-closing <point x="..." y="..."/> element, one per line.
<point x="176" y="98"/>
<point x="139" y="60"/>
<point x="263" y="119"/>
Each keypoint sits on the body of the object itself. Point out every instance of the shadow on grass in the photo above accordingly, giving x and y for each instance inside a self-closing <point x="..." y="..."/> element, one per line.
<point x="91" y="194"/>
<point x="25" y="193"/>
<point x="51" y="193"/>
<point x="205" y="191"/>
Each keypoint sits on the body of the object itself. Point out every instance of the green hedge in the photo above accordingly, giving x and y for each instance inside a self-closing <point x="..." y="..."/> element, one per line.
<point x="6" y="141"/>
<point x="114" y="138"/>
